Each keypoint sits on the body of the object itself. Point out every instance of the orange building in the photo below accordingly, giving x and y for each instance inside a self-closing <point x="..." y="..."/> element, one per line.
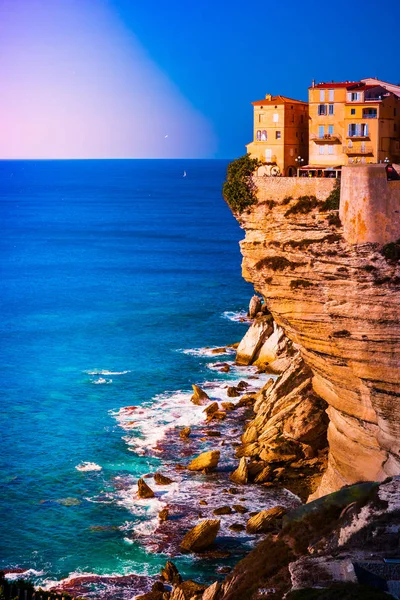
<point x="353" y="122"/>
<point x="280" y="134"/>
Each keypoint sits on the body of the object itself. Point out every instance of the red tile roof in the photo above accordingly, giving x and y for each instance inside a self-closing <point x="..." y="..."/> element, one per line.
<point x="277" y="100"/>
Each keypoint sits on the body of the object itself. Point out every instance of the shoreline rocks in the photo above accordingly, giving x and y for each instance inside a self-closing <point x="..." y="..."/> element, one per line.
<point x="205" y="460"/>
<point x="201" y="536"/>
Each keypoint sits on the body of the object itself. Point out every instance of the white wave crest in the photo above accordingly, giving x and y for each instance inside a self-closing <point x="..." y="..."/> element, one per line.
<point x="88" y="466"/>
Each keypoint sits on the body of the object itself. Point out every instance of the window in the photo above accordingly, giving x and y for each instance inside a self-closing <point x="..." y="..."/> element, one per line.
<point x="275" y="117"/>
<point x="264" y="136"/>
<point x="370" y="113"/>
<point x="321" y="95"/>
<point x="330" y="106"/>
<point x="330" y="149"/>
<point x="353" y="111"/>
<point x="268" y="154"/>
<point x="395" y="126"/>
<point x="331" y="95"/>
<point x="291" y="152"/>
<point x="330" y="129"/>
<point x="302" y="137"/>
<point x="321" y="131"/>
<point x="258" y="135"/>
<point x="355" y="96"/>
<point x="322" y="149"/>
<point x="261" y="117"/>
<point x="277" y="135"/>
<point x="302" y="118"/>
<point x="321" y="109"/>
<point x="358" y="130"/>
<point x="395" y="112"/>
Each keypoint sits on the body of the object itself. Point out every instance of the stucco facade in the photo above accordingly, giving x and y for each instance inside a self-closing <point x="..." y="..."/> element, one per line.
<point x="353" y="122"/>
<point x="280" y="134"/>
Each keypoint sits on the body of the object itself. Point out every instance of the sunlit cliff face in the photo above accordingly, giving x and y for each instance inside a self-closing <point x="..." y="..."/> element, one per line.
<point x="76" y="83"/>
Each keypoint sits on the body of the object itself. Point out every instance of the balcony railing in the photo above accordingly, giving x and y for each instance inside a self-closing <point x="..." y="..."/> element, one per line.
<point x="328" y="138"/>
<point x="369" y="116"/>
<point x="357" y="150"/>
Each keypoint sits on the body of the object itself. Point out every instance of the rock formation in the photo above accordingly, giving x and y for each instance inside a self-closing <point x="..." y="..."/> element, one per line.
<point x="339" y="305"/>
<point x="144" y="491"/>
<point x="201" y="536"/>
<point x="205" y="460"/>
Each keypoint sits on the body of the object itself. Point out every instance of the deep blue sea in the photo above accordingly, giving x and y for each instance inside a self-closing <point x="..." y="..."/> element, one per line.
<point x="111" y="272"/>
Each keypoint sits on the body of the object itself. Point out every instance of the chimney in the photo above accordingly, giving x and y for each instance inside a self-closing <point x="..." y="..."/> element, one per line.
<point x="313" y="83"/>
<point x="268" y="97"/>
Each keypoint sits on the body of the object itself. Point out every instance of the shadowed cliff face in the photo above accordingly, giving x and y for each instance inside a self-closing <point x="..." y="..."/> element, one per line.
<point x="341" y="305"/>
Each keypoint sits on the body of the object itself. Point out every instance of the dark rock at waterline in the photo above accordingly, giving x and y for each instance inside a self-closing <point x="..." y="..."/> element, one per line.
<point x="199" y="396"/>
<point x="163" y="514"/>
<point x="185" y="432"/>
<point x="239" y="508"/>
<point x="232" y="391"/>
<point x="162" y="479"/>
<point x="170" y="573"/>
<point x="144" y="491"/>
<point x="222" y="510"/>
<point x="201" y="536"/>
<point x="237" y="527"/>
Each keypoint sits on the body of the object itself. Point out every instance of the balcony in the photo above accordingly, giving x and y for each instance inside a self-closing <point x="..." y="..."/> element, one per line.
<point x="328" y="138"/>
<point x="362" y="150"/>
<point x="359" y="136"/>
<point x="369" y="116"/>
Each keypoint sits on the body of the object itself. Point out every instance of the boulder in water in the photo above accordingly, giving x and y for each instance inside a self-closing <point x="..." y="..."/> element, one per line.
<point x="144" y="491"/>
<point x="199" y="396"/>
<point x="201" y="536"/>
<point x="206" y="460"/>
<point x="241" y="474"/>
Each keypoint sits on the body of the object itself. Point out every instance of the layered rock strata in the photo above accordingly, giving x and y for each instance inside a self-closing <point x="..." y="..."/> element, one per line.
<point x="340" y="305"/>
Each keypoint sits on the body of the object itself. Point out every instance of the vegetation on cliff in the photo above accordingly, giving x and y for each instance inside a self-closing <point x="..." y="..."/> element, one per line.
<point x="239" y="189"/>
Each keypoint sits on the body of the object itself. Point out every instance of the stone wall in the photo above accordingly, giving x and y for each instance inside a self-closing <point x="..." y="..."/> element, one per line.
<point x="278" y="188"/>
<point x="369" y="205"/>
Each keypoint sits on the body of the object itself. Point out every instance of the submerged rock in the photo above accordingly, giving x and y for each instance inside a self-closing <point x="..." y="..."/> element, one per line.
<point x="144" y="491"/>
<point x="202" y="536"/>
<point x="199" y="396"/>
<point x="206" y="460"/>
<point x="222" y="510"/>
<point x="185" y="432"/>
<point x="163" y="514"/>
<point x="162" y="479"/>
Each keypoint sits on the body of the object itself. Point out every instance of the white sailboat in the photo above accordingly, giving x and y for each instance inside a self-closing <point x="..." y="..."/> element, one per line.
<point x="184" y="174"/>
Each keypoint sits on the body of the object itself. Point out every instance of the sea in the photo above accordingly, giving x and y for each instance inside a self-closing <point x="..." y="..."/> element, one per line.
<point x="118" y="278"/>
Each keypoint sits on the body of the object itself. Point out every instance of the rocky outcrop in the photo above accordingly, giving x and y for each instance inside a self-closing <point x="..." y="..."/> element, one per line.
<point x="340" y="305"/>
<point x="241" y="474"/>
<point x="318" y="545"/>
<point x="265" y="520"/>
<point x="202" y="536"/>
<point x="206" y="460"/>
<point x="199" y="396"/>
<point x="144" y="491"/>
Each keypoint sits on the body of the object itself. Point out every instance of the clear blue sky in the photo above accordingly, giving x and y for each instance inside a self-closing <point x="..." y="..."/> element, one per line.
<point x="205" y="61"/>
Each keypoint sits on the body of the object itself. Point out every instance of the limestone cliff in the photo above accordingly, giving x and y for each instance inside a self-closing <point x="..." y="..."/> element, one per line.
<point x="340" y="305"/>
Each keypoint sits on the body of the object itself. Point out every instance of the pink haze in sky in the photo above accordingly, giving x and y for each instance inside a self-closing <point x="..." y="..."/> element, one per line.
<point x="75" y="83"/>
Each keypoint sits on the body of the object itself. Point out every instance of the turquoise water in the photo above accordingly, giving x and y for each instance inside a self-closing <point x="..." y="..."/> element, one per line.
<point x="106" y="266"/>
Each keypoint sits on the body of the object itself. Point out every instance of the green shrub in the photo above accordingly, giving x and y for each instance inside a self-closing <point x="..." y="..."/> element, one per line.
<point x="332" y="202"/>
<point x="300" y="283"/>
<point x="391" y="251"/>
<point x="303" y="206"/>
<point x="239" y="189"/>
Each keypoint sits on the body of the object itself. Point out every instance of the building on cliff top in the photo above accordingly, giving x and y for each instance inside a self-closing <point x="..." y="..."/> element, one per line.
<point x="280" y="134"/>
<point x="354" y="122"/>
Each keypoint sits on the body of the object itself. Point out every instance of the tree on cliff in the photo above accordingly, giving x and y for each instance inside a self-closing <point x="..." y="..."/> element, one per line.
<point x="239" y="189"/>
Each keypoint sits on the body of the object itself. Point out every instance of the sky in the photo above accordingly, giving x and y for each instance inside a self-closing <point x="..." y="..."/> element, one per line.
<point x="176" y="78"/>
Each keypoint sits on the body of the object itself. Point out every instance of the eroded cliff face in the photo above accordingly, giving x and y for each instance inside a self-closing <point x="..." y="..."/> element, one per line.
<point x="340" y="305"/>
